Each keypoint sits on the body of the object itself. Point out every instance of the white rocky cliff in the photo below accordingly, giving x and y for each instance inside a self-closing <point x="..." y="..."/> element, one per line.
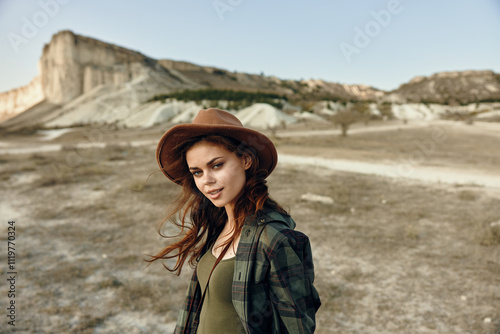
<point x="95" y="73"/>
<point x="18" y="100"/>
<point x="72" y="65"/>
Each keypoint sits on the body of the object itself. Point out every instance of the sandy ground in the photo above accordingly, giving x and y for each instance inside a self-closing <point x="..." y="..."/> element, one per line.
<point x="394" y="253"/>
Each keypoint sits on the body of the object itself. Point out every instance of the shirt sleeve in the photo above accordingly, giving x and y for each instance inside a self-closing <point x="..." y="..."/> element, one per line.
<point x="291" y="276"/>
<point x="185" y="321"/>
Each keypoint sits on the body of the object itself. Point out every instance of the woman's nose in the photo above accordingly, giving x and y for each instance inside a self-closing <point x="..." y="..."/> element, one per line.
<point x="208" y="179"/>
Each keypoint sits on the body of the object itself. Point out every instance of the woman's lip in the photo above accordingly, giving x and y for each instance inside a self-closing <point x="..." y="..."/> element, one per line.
<point x="217" y="195"/>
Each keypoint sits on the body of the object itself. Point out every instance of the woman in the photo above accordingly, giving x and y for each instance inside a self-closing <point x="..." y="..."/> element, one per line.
<point x="253" y="272"/>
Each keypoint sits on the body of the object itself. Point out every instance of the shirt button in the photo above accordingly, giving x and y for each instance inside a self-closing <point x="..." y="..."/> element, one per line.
<point x="262" y="220"/>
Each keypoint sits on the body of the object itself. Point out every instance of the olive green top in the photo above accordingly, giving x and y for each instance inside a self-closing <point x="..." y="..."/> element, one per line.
<point x="217" y="312"/>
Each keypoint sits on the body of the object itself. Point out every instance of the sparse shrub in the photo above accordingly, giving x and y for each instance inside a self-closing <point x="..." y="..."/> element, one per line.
<point x="115" y="152"/>
<point x="467" y="195"/>
<point x="66" y="148"/>
<point x="411" y="232"/>
<point x="110" y="282"/>
<point x="350" y="115"/>
<point x="50" y="181"/>
<point x="353" y="275"/>
<point x="89" y="323"/>
<point x="137" y="185"/>
<point x="469" y="119"/>
<point x="385" y="109"/>
<point x="488" y="232"/>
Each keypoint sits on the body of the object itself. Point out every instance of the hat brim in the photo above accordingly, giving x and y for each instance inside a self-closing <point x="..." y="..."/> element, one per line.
<point x="263" y="146"/>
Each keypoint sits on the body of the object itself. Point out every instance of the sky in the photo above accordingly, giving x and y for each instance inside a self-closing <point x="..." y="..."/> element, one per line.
<point x="380" y="43"/>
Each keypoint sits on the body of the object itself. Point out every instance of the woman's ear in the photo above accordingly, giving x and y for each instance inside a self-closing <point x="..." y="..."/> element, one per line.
<point x="247" y="161"/>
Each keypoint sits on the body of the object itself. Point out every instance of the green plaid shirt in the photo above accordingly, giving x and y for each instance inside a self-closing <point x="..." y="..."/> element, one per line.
<point x="272" y="289"/>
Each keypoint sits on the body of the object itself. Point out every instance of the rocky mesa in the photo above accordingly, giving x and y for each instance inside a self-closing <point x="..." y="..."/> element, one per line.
<point x="75" y="67"/>
<point x="82" y="73"/>
<point x="83" y="80"/>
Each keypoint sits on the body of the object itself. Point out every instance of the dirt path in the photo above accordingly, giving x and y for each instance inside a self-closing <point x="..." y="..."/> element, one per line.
<point x="403" y="169"/>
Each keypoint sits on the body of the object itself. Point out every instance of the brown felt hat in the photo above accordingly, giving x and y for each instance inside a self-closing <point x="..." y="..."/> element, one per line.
<point x="212" y="122"/>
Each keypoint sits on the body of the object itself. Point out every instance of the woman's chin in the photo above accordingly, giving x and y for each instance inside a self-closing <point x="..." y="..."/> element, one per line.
<point x="217" y="203"/>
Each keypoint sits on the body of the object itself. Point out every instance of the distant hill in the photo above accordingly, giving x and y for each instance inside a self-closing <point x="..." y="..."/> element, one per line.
<point x="452" y="88"/>
<point x="211" y="77"/>
<point x="83" y="81"/>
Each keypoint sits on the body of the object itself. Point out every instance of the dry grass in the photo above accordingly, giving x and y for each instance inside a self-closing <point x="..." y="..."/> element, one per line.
<point x="390" y="256"/>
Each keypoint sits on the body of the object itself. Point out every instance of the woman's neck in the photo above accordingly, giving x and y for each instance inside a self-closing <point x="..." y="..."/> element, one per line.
<point x="227" y="233"/>
<point x="231" y="221"/>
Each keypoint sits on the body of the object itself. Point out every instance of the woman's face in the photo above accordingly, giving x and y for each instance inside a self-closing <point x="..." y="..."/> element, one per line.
<point x="218" y="173"/>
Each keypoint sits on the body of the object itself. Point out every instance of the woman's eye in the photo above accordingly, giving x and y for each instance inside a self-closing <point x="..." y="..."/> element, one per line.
<point x="217" y="166"/>
<point x="196" y="173"/>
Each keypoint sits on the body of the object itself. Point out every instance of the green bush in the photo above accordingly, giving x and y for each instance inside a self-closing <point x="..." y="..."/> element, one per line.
<point x="235" y="98"/>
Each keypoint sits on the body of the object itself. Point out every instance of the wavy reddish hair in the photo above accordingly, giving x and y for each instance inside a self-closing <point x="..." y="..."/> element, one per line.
<point x="200" y="221"/>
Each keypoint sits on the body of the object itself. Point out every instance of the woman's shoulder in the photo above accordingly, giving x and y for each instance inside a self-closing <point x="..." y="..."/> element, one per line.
<point x="272" y="221"/>
<point x="279" y="229"/>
